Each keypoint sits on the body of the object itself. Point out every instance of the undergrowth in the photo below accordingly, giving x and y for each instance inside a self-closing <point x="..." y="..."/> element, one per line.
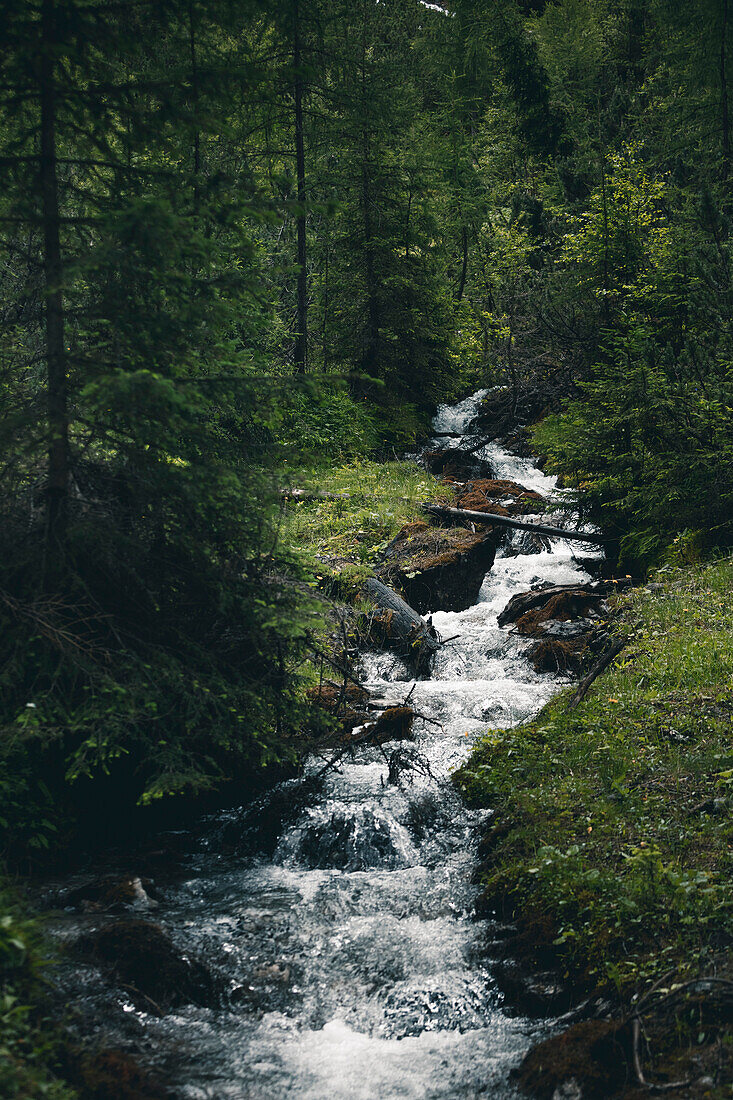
<point x="612" y="827"/>
<point x="29" y="1043"/>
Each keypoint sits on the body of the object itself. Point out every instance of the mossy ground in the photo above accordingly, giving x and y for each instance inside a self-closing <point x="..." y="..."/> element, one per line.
<point x="612" y="831"/>
<point x="381" y="497"/>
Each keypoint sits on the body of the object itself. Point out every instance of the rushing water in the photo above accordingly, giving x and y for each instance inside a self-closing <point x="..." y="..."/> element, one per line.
<point x="351" y="965"/>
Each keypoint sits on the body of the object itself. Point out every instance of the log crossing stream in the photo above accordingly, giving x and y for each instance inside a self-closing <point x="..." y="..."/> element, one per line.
<point x="342" y="935"/>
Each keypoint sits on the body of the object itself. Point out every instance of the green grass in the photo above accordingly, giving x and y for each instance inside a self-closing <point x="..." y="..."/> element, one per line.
<point x="383" y="497"/>
<point x="613" y="822"/>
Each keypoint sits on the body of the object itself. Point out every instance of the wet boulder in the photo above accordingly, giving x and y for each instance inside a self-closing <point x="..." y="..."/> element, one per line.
<point x="531" y="992"/>
<point x="592" y="1059"/>
<point x="568" y="620"/>
<point x="145" y="960"/>
<point x="111" y="893"/>
<point x="438" y="568"/>
<point x="531" y="612"/>
<point x="498" y="497"/>
<point x="109" y="1074"/>
<point x="456" y="464"/>
<point x="258" y="826"/>
<point x="525" y="542"/>
<point x="348" y="839"/>
<point x="577" y="609"/>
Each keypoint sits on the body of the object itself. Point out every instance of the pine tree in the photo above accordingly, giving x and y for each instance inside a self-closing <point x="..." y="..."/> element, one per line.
<point x="140" y="503"/>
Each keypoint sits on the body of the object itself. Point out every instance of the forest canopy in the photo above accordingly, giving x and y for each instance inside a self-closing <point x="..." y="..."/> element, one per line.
<point x="238" y="239"/>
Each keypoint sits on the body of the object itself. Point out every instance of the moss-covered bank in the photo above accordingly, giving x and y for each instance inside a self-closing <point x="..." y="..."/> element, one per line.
<point x="610" y="842"/>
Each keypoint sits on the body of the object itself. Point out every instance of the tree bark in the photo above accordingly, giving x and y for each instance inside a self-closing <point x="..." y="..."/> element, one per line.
<point x="371" y="357"/>
<point x="301" y="337"/>
<point x="488" y="518"/>
<point x="464" y="268"/>
<point x="55" y="348"/>
<point x="410" y="635"/>
<point x="724" y="93"/>
<point x="600" y="666"/>
<point x="196" y="136"/>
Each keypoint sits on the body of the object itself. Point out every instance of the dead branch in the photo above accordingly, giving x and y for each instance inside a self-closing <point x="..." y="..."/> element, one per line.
<point x="600" y="666"/>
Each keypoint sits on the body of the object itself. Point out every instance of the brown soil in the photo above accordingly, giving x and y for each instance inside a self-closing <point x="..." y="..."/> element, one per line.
<point x="420" y="546"/>
<point x="338" y="698"/>
<point x="558" y="654"/>
<point x="437" y="567"/>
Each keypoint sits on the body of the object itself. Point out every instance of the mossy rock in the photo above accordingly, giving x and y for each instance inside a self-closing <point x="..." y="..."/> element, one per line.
<point x="437" y="568"/>
<point x="499" y="497"/>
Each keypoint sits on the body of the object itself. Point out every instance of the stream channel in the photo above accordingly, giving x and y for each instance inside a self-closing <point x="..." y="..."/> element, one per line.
<point x="343" y="939"/>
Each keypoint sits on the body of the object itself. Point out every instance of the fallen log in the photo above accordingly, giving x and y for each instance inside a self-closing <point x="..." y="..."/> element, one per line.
<point x="490" y="518"/>
<point x="409" y="634"/>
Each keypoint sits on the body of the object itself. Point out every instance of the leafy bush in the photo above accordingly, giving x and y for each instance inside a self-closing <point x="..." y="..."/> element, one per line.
<point x="28" y="1045"/>
<point x="325" y="419"/>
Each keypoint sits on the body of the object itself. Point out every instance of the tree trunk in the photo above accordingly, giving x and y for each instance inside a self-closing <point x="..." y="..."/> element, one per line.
<point x="195" y="88"/>
<point x="57" y="397"/>
<point x="464" y="268"/>
<point x="371" y="356"/>
<point x="724" y="93"/>
<point x="409" y="634"/>
<point x="301" y="337"/>
<point x="326" y="301"/>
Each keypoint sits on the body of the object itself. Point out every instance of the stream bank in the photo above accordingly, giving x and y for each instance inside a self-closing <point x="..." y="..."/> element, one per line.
<point x="609" y="851"/>
<point x="328" y="929"/>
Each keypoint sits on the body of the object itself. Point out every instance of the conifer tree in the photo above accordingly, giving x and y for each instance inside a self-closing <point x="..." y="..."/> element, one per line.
<point x="140" y="500"/>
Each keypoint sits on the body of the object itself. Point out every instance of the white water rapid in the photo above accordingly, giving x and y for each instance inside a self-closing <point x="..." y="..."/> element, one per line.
<point x="354" y="968"/>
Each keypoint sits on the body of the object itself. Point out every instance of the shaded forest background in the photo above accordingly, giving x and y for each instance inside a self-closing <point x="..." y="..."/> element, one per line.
<point x="238" y="239"/>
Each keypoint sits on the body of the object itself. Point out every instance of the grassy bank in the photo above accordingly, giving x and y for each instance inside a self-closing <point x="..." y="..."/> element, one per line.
<point x="613" y="820"/>
<point x="611" y="837"/>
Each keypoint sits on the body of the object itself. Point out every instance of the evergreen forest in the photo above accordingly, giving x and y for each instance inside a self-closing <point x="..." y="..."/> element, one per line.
<point x="247" y="250"/>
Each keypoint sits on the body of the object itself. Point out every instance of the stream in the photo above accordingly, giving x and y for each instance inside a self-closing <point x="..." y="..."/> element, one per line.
<point x="337" y="917"/>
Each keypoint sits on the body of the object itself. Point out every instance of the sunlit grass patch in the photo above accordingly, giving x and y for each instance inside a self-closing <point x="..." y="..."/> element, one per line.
<point x="380" y="498"/>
